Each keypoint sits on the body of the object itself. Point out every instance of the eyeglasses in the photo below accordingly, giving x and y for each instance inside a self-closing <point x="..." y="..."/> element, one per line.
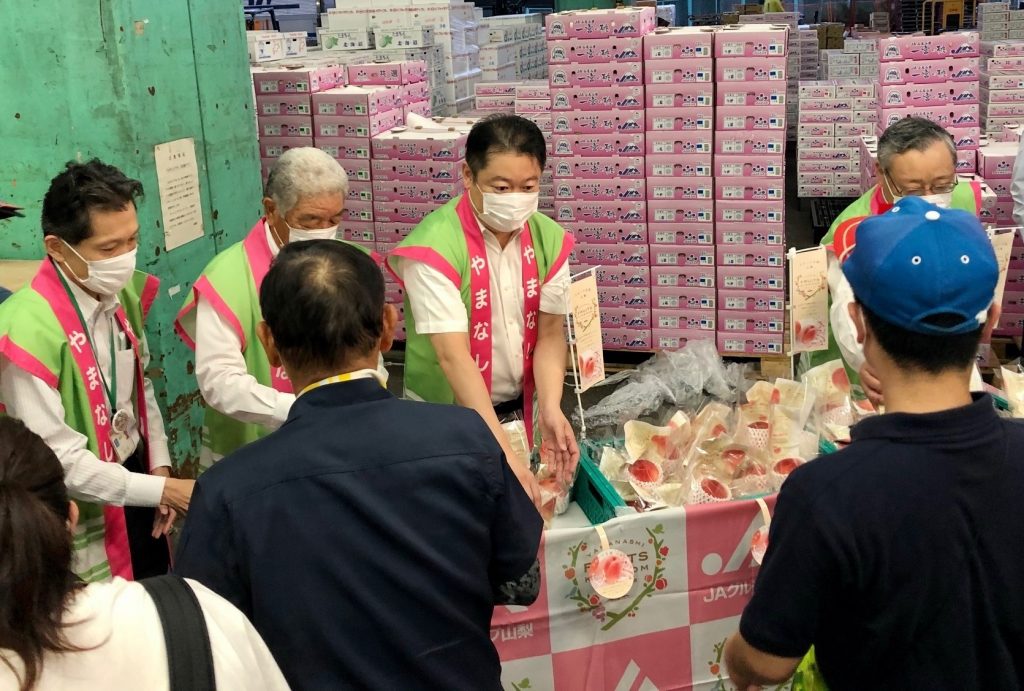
<point x="937" y="189"/>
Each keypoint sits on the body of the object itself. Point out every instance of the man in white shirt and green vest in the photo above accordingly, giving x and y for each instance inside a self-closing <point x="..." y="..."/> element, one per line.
<point x="245" y="397"/>
<point x="487" y="281"/>
<point x="916" y="158"/>
<point x="73" y="355"/>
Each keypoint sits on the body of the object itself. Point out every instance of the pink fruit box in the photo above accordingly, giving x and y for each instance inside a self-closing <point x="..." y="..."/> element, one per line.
<point x="750" y="278"/>
<point x="678" y="43"/>
<point x="420" y="145"/>
<point x="283" y="104"/>
<point x="747" y="233"/>
<point x="627" y="339"/>
<point x="751" y="41"/>
<point x="695" y="95"/>
<point x="750" y="94"/>
<point x="610" y="255"/>
<point x="748" y="166"/>
<point x="693" y="119"/>
<point x="680" y="188"/>
<point x="750" y="142"/>
<point x="752" y="322"/>
<point x="681" y="234"/>
<point x="673" y="142"/>
<point x="679" y="71"/>
<point x="668" y="281"/>
<point x="285" y="126"/>
<point x="598" y="122"/>
<point x="596" y="75"/>
<point x="599" y="168"/>
<point x="420" y="192"/>
<point x="608" y="233"/>
<point x="754" y="189"/>
<point x="599" y="190"/>
<point x="389" y="73"/>
<point x="739" y="343"/>
<point x="621" y="144"/>
<point x="949" y="45"/>
<point x="618" y="295"/>
<point x="621" y="22"/>
<point x="599" y="212"/>
<point x="690" y="320"/>
<point x="770" y="213"/>
<point x="731" y="118"/>
<point x="595" y="50"/>
<point x="355" y="100"/>
<point x="687" y="165"/>
<point x="598" y="98"/>
<point x="625" y="318"/>
<point x="730" y="300"/>
<point x="750" y="255"/>
<point x="364" y="126"/>
<point x="675" y="339"/>
<point x="699" y="211"/>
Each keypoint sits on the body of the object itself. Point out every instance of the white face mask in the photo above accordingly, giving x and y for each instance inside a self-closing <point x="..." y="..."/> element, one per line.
<point x="107" y="276"/>
<point x="943" y="201"/>
<point x="508" y="212"/>
<point x="301" y="234"/>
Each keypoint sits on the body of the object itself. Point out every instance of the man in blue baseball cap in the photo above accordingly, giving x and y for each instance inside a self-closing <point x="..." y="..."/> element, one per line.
<point x="899" y="558"/>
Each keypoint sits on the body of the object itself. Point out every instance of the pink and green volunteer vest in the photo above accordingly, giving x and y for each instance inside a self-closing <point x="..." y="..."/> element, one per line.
<point x="42" y="334"/>
<point x="450" y="240"/>
<point x="966" y="196"/>
<point x="231" y="285"/>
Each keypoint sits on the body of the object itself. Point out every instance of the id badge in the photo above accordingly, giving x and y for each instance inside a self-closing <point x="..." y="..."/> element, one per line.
<point x="120" y="425"/>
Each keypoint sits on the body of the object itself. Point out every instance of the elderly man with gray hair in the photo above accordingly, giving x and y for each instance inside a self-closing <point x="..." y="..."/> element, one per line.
<point x="246" y="398"/>
<point x="916" y="158"/>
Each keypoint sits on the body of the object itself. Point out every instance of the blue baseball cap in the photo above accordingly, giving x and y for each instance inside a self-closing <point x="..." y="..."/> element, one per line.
<point x="918" y="261"/>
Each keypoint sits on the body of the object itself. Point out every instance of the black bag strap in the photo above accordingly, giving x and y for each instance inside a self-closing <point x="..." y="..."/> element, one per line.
<point x="189" y="657"/>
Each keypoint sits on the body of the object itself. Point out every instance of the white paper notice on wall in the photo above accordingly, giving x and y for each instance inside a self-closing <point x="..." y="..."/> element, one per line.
<point x="808" y="296"/>
<point x="177" y="175"/>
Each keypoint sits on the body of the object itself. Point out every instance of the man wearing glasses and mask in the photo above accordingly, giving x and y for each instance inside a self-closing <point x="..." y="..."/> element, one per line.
<point x="916" y="158"/>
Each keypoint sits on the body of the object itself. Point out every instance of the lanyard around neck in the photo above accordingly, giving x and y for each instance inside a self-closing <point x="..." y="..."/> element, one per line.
<point x="109" y="389"/>
<point x="348" y="376"/>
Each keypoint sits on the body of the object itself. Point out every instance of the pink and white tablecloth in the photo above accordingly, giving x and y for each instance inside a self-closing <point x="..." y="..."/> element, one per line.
<point x="694" y="574"/>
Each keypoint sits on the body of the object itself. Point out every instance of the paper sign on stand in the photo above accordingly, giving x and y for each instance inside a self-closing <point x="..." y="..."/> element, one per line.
<point x="585" y="338"/>
<point x="1002" y="243"/>
<point x="177" y="175"/>
<point x="808" y="289"/>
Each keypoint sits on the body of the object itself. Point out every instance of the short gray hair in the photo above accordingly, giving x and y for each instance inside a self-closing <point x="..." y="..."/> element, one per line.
<point x="304" y="172"/>
<point x="911" y="134"/>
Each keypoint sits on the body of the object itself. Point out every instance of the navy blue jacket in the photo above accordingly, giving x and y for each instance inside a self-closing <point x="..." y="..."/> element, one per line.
<point x="366" y="539"/>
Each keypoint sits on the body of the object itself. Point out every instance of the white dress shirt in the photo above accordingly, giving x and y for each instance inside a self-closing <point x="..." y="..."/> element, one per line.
<point x="1017" y="186"/>
<point x="437" y="307"/>
<point x="224" y="379"/>
<point x="32" y="401"/>
<point x="118" y="628"/>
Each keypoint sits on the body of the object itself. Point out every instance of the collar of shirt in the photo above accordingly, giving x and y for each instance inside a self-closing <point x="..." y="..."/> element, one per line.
<point x="271" y="240"/>
<point x="347" y="376"/>
<point x="91" y="307"/>
<point x="966" y="423"/>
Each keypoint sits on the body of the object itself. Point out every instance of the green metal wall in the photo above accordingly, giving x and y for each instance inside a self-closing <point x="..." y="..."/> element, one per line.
<point x="111" y="79"/>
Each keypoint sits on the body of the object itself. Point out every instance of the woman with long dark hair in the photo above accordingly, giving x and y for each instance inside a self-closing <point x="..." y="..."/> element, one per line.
<point x="56" y="632"/>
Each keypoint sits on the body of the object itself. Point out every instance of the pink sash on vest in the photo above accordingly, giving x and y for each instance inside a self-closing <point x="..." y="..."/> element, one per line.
<point x="48" y="284"/>
<point x="480" y="345"/>
<point x="257" y="251"/>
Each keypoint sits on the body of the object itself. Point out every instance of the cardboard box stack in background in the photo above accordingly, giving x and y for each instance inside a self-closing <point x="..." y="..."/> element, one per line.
<point x="415" y="171"/>
<point x="346" y="119"/>
<point x="266" y="46"/>
<point x="533" y="102"/>
<point x="1002" y="88"/>
<point x="834" y="115"/>
<point x="830" y="35"/>
<point x="934" y="77"/>
<point x="993" y="21"/>
<point x="525" y="33"/>
<point x="857" y="58"/>
<point x="995" y="166"/>
<point x="794" y="55"/>
<point x="749" y="172"/>
<point x="597" y="113"/>
<point x="444" y="35"/>
<point x="679" y="66"/>
<point x="284" y="104"/>
<point x="879" y="21"/>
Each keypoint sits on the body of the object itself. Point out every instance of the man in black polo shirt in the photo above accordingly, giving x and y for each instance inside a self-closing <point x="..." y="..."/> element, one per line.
<point x="901" y="558"/>
<point x="368" y="539"/>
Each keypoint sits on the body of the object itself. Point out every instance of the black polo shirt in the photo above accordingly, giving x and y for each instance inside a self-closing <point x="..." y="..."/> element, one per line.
<point x="901" y="557"/>
<point x="367" y="540"/>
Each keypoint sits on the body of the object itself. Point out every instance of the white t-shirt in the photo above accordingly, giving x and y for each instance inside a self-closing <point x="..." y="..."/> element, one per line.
<point x="121" y="620"/>
<point x="437" y="307"/>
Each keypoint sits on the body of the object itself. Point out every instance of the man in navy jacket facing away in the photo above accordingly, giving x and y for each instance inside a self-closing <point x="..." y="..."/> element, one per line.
<point x="899" y="558"/>
<point x="369" y="538"/>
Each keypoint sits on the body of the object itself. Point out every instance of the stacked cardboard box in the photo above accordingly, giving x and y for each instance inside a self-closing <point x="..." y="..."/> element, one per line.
<point x="834" y="115"/>
<point x="749" y="172"/>
<point x="415" y="171"/>
<point x="995" y="166"/>
<point x="679" y="65"/>
<point x="597" y="110"/>
<point x="284" y="105"/>
<point x="1002" y="88"/>
<point x="994" y="21"/>
<point x="525" y="32"/>
<point x="795" y="51"/>
<point x="267" y="46"/>
<point x="445" y="35"/>
<point x="934" y="77"/>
